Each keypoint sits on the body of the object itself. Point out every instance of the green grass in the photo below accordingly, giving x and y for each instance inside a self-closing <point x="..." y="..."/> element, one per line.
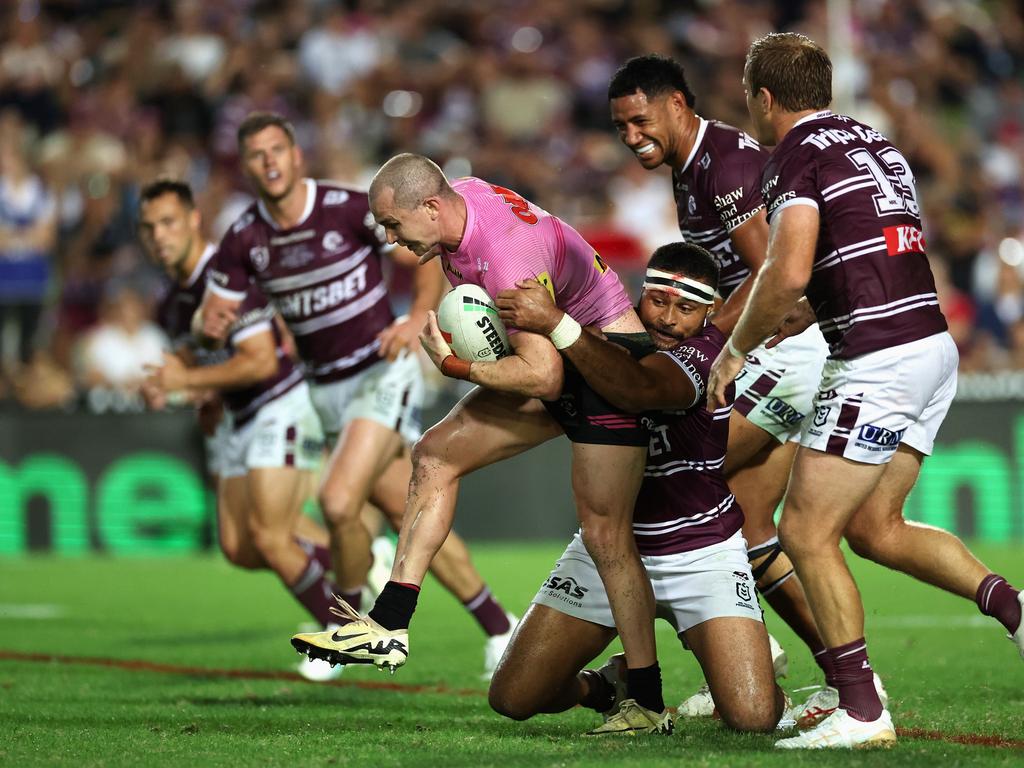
<point x="949" y="673"/>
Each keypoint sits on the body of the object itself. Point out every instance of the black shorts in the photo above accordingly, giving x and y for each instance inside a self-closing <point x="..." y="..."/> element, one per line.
<point x="588" y="418"/>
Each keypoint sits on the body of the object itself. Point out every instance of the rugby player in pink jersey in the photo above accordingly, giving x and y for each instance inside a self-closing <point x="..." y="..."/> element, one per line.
<point x="492" y="237"/>
<point x="686" y="521"/>
<point x="313" y="249"/>
<point x="846" y="230"/>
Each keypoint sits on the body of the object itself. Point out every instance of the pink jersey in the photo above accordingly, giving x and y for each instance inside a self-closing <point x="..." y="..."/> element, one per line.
<point x="508" y="239"/>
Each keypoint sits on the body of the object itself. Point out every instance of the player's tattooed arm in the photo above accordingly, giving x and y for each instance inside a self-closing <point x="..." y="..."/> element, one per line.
<point x="653" y="383"/>
<point x="749" y="242"/>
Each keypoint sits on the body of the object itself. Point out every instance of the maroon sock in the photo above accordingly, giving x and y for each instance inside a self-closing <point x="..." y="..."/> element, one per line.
<point x="315" y="592"/>
<point x="322" y="554"/>
<point x="489" y="613"/>
<point x="353" y="597"/>
<point x="825" y="662"/>
<point x="998" y="599"/>
<point x="855" y="680"/>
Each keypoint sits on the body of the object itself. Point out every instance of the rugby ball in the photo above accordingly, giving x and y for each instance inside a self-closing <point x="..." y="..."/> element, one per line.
<point x="469" y="323"/>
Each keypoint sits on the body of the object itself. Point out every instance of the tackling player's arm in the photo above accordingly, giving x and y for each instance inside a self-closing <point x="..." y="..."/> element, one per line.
<point x="254" y="359"/>
<point x="749" y="242"/>
<point x="777" y="289"/>
<point x="652" y="383"/>
<point x="213" y="320"/>
<point x="534" y="369"/>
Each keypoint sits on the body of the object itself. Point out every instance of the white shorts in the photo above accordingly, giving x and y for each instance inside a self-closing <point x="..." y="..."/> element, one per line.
<point x="284" y="433"/>
<point x="218" y="445"/>
<point x="867" y="406"/>
<point x="390" y="393"/>
<point x="689" y="587"/>
<point x="776" y="387"/>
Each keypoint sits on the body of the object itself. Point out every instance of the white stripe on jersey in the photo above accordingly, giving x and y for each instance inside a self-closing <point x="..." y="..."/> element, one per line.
<point x="348" y="361"/>
<point x="341" y="314"/>
<point x="293" y="282"/>
<point x="681" y="465"/>
<point x="668" y="526"/>
<point x="827" y="191"/>
<point x="852" y="251"/>
<point x="882" y="310"/>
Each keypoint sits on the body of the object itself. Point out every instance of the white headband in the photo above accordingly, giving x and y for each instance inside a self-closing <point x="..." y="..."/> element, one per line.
<point x="679" y="285"/>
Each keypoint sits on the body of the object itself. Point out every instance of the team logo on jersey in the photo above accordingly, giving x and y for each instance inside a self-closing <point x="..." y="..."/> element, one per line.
<point x="545" y="279"/>
<point x="821" y="415"/>
<point x="333" y="241"/>
<point x="599" y="264"/>
<point x="259" y="255"/>
<point x="705" y="161"/>
<point x="336" y="197"/>
<point x="691" y="205"/>
<point x="903" y="238"/>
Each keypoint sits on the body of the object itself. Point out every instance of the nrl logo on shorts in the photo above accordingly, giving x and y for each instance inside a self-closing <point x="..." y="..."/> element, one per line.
<point x="260" y="257"/>
<point x="743" y="590"/>
<point x="333" y="241"/>
<point x="821" y="415"/>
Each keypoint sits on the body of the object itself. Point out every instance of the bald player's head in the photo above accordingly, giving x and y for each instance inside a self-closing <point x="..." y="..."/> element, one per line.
<point x="411" y="179"/>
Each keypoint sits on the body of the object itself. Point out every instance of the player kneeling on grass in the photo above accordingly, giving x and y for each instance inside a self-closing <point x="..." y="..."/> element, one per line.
<point x="686" y="522"/>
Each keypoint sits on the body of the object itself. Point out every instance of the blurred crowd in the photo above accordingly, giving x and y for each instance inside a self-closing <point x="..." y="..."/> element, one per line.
<point x="98" y="97"/>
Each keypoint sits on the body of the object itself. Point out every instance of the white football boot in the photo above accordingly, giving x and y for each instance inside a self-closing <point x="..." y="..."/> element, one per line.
<point x="841" y="731"/>
<point x="495" y="647"/>
<point x="823" y="703"/>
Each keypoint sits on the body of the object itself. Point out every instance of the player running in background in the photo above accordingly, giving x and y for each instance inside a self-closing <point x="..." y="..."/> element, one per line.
<point x="686" y="521"/>
<point x="716" y="180"/>
<point x="490" y="236"/>
<point x="312" y="247"/>
<point x="269" y="440"/>
<point x="846" y="229"/>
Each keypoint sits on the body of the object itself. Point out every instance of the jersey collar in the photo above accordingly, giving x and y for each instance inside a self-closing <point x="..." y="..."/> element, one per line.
<point x="308" y="209"/>
<point x="697" y="141"/>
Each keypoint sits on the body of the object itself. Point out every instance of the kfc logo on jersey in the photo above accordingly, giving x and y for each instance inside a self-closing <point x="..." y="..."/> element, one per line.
<point x="259" y="255"/>
<point x="333" y="241"/>
<point x="336" y="197"/>
<point x="903" y="238"/>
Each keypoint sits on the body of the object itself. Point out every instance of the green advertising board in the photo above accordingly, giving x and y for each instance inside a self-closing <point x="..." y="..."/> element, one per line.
<point x="134" y="484"/>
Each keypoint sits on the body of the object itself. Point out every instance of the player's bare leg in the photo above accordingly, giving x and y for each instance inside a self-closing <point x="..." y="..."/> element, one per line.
<point x="275" y="496"/>
<point x="759" y="480"/>
<point x="539" y="672"/>
<point x="363" y="451"/>
<point x="232" y="527"/>
<point x="813" y="519"/>
<point x="484" y="427"/>
<point x="737" y="663"/>
<point x="879" y="532"/>
<point x="605" y="482"/>
<point x="452" y="566"/>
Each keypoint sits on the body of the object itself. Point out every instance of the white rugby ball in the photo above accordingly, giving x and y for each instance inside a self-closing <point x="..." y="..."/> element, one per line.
<point x="469" y="322"/>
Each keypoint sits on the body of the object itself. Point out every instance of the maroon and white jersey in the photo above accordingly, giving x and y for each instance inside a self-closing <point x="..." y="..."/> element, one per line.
<point x="684" y="502"/>
<point x="324" y="276"/>
<point x="254" y="316"/>
<point x="717" y="190"/>
<point x="871" y="286"/>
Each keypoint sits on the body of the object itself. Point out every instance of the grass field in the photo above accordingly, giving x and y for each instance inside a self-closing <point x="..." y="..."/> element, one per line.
<point x="213" y="684"/>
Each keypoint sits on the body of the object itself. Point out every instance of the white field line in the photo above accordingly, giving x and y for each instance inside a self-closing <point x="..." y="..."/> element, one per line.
<point x="30" y="611"/>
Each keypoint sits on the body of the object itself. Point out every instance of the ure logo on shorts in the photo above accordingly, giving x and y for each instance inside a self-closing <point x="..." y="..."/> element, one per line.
<point x="566" y="584"/>
<point x="886" y="438"/>
<point x="783" y="412"/>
